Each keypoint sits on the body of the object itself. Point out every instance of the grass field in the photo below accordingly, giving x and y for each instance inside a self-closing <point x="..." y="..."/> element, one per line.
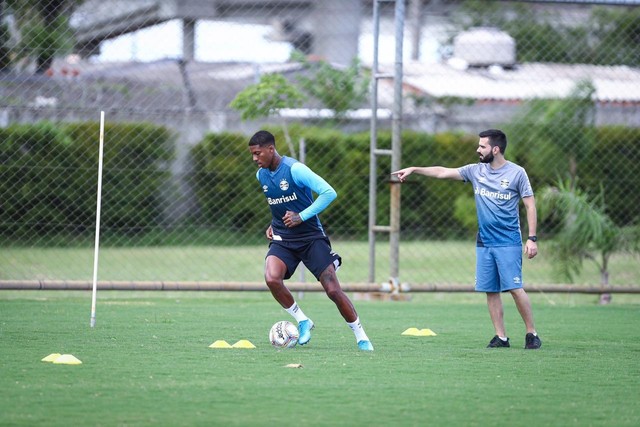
<point x="420" y="262"/>
<point x="147" y="362"/>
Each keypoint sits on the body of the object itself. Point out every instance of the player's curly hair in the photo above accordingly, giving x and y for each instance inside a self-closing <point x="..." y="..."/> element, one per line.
<point x="262" y="138"/>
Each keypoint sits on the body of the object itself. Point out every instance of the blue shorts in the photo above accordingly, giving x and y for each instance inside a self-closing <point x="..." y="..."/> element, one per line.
<point x="498" y="269"/>
<point x="316" y="255"/>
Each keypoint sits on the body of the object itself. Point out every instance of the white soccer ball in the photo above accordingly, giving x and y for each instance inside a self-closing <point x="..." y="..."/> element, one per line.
<point x="283" y="334"/>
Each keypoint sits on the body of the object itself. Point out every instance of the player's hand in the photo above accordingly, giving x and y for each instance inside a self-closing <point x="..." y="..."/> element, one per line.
<point x="531" y="249"/>
<point x="402" y="174"/>
<point x="291" y="219"/>
<point x="269" y="233"/>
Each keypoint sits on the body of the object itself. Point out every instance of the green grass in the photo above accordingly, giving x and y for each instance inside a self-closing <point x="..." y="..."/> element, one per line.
<point x="147" y="362"/>
<point x="420" y="262"/>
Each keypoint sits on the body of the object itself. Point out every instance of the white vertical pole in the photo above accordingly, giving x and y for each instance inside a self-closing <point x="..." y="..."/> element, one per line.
<point x="97" y="243"/>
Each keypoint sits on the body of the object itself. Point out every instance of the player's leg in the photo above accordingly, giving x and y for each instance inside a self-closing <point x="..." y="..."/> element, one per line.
<point x="487" y="281"/>
<point x="524" y="308"/>
<point x="509" y="260"/>
<point x="496" y="312"/>
<point x="280" y="263"/>
<point x="331" y="285"/>
<point x="274" y="272"/>
<point x="323" y="263"/>
<point x="332" y="288"/>
<point x="532" y="340"/>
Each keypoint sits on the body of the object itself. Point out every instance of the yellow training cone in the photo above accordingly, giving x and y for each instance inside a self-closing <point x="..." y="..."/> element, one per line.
<point x="243" y="344"/>
<point x="220" y="344"/>
<point x="426" y="333"/>
<point x="51" y="358"/>
<point x="411" y="331"/>
<point x="67" y="359"/>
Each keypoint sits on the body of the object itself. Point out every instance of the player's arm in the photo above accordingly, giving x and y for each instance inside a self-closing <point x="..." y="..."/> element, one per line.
<point x="439" y="172"/>
<point x="531" y="247"/>
<point x="269" y="231"/>
<point x="304" y="176"/>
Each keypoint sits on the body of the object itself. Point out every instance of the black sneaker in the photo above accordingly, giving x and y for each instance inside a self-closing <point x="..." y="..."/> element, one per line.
<point x="532" y="342"/>
<point x="497" y="342"/>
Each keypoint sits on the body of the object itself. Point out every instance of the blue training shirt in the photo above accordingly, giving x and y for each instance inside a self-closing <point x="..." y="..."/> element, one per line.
<point x="498" y="193"/>
<point x="289" y="188"/>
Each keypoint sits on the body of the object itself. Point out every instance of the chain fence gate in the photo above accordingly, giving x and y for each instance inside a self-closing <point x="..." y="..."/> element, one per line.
<point x="184" y="84"/>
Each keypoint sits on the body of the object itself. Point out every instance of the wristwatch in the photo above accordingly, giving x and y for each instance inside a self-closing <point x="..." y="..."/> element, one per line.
<point x="533" y="238"/>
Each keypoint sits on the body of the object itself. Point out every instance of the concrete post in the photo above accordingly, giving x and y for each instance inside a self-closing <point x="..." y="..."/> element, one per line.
<point x="188" y="39"/>
<point x="336" y="30"/>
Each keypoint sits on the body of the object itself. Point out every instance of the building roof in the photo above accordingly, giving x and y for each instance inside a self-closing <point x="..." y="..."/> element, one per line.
<point x="522" y="82"/>
<point x="170" y="85"/>
<point x="160" y="85"/>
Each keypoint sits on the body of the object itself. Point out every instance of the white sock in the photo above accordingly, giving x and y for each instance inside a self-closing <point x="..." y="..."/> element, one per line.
<point x="357" y="329"/>
<point x="503" y="338"/>
<point x="296" y="312"/>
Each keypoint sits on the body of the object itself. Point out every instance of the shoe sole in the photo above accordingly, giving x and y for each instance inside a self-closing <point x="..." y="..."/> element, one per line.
<point x="499" y="346"/>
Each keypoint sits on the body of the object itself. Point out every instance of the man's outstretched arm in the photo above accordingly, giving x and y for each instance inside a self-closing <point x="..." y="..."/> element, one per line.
<point x="439" y="172"/>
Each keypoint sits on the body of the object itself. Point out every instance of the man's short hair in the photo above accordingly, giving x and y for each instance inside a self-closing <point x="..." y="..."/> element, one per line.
<point x="497" y="138"/>
<point x="262" y="138"/>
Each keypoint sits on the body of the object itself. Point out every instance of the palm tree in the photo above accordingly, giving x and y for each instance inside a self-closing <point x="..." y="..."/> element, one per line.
<point x="586" y="232"/>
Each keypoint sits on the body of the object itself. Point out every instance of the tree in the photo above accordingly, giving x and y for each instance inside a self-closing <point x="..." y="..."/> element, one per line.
<point x="608" y="37"/>
<point x="43" y="27"/>
<point x="617" y="35"/>
<point x="5" y="59"/>
<point x="558" y="133"/>
<point x="569" y="124"/>
<point x="586" y="233"/>
<point x="339" y="90"/>
<point x="271" y="94"/>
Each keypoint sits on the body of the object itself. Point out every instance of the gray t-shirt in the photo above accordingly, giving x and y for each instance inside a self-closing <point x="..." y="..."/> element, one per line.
<point x="498" y="193"/>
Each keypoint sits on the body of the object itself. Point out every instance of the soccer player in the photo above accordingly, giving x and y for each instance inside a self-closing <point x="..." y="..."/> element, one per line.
<point x="296" y="234"/>
<point x="498" y="186"/>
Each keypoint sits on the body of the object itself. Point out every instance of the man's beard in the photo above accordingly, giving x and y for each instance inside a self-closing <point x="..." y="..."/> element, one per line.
<point x="487" y="159"/>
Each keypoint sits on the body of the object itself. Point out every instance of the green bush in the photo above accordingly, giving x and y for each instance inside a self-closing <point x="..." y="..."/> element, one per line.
<point x="50" y="171"/>
<point x="224" y="180"/>
<point x="229" y="195"/>
<point x="32" y="161"/>
<point x="613" y="166"/>
<point x="343" y="160"/>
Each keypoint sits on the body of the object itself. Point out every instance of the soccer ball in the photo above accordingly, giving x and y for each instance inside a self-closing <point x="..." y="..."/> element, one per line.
<point x="283" y="334"/>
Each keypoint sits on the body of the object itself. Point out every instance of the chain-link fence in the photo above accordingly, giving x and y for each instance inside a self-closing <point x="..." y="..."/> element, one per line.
<point x="184" y="84"/>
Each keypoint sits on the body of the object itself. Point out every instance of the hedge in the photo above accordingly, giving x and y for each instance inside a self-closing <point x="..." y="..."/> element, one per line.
<point x="434" y="208"/>
<point x="50" y="171"/>
<point x="229" y="196"/>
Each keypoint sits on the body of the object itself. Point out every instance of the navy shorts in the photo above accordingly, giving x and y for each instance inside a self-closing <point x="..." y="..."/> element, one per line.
<point x="316" y="255"/>
<point x="498" y="269"/>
